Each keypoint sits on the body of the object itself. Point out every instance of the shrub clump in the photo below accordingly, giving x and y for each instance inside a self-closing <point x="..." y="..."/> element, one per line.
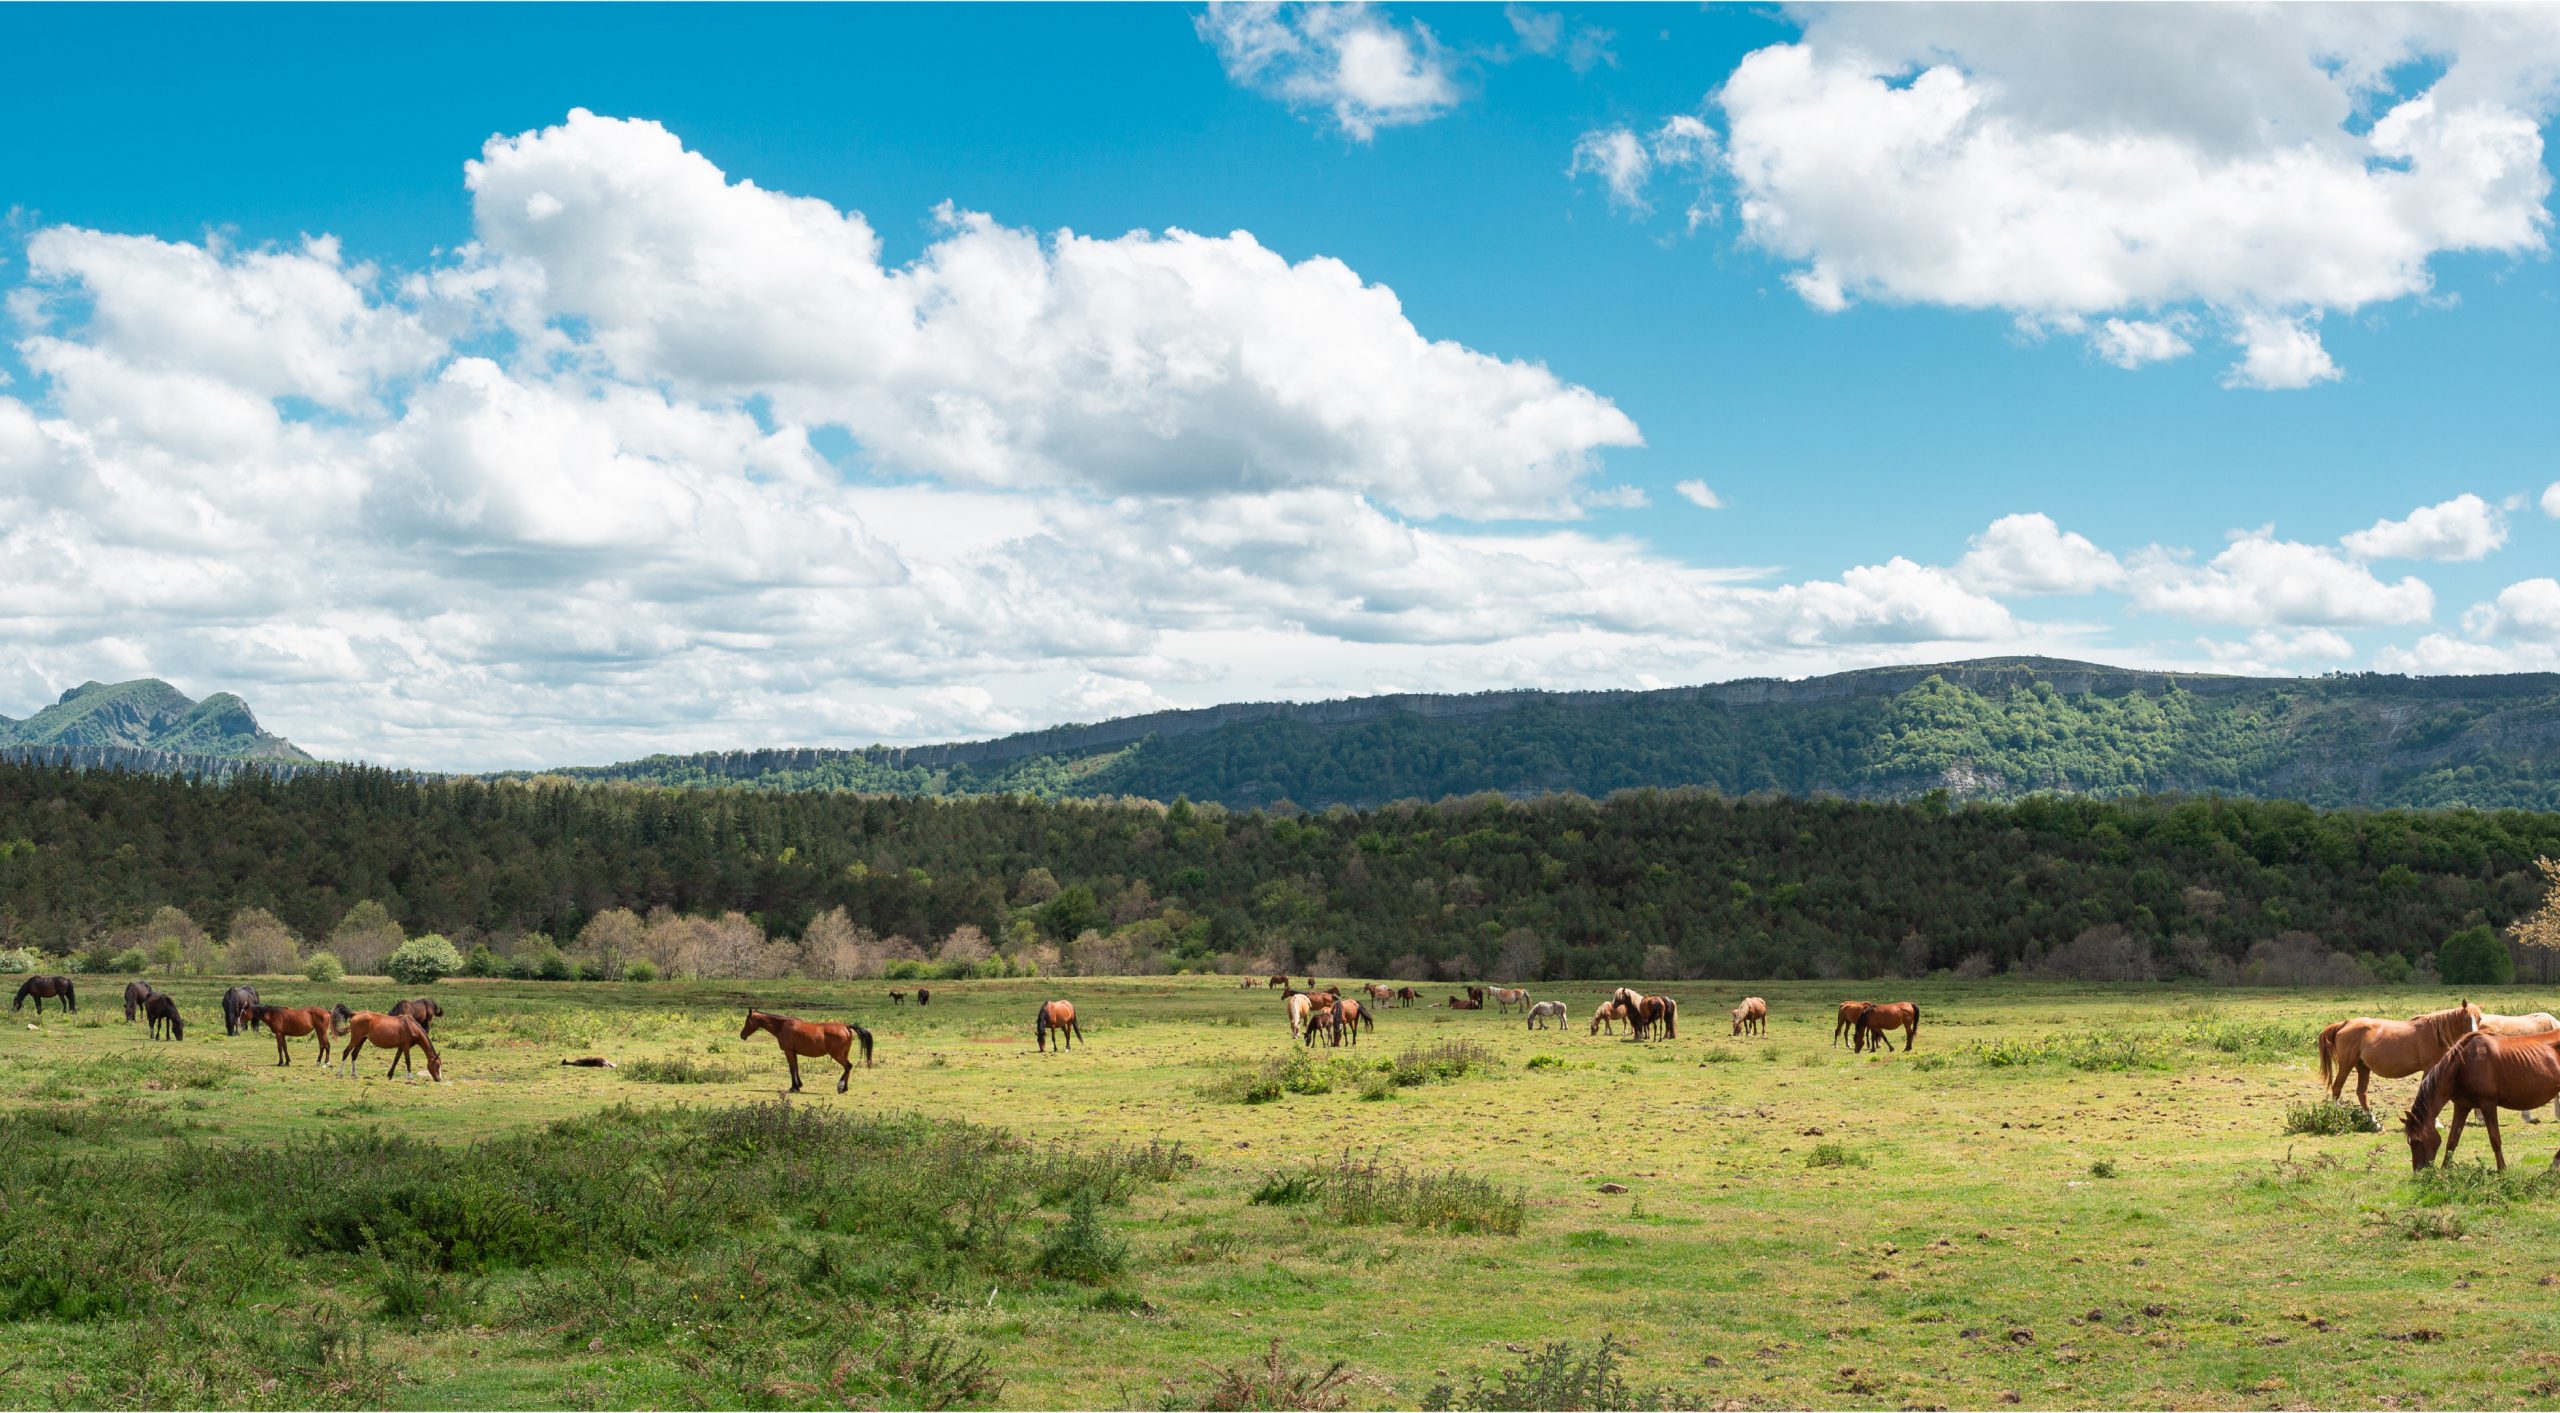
<point x="1555" y="1377"/>
<point x="681" y="1069"/>
<point x="1835" y="1155"/>
<point x="423" y="960"/>
<point x="1370" y="1192"/>
<point x="2330" y="1117"/>
<point x="323" y="969"/>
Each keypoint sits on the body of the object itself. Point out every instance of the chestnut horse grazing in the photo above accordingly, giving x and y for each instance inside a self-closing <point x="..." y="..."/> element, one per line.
<point x="813" y="1039"/>
<point x="1849" y="1013"/>
<point x="1605" y="1015"/>
<point x="1059" y="1016"/>
<point x="288" y="1022"/>
<point x="1281" y="983"/>
<point x="47" y="988"/>
<point x="390" y="1032"/>
<point x="2392" y="1049"/>
<point x="2487" y="1073"/>
<point x="135" y="994"/>
<point x="236" y="1005"/>
<point x="2539" y="1023"/>
<point x="1751" y="1017"/>
<point x="161" y="1011"/>
<point x="1875" y="1021"/>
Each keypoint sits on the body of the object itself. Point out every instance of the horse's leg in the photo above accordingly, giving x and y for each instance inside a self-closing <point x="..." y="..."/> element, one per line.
<point x="795" y="1069"/>
<point x="2364" y="1078"/>
<point x="2497" y="1148"/>
<point x="2453" y="1139"/>
<point x="844" y="1057"/>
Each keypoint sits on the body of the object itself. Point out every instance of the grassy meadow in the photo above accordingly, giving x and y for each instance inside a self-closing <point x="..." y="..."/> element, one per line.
<point x="2068" y="1196"/>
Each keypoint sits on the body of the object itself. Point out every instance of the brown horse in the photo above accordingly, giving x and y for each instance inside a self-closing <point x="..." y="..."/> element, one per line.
<point x="813" y="1039"/>
<point x="1344" y="1017"/>
<point x="923" y="997"/>
<point x="1506" y="997"/>
<point x="2488" y="1073"/>
<point x="1465" y="1003"/>
<point x="1281" y="983"/>
<point x="1875" y="1021"/>
<point x="162" y="1011"/>
<point x="1380" y="994"/>
<point x="2392" y="1049"/>
<point x="1476" y="994"/>
<point x="136" y="993"/>
<point x="1849" y="1013"/>
<point x="1643" y="1013"/>
<point x="1059" y="1016"/>
<point x="1406" y="996"/>
<point x="1751" y="1017"/>
<point x="425" y="1012"/>
<point x="2538" y="1023"/>
<point x="289" y="1022"/>
<point x="236" y="1005"/>
<point x="397" y="1033"/>
<point x="1605" y="1017"/>
<point x="47" y="988"/>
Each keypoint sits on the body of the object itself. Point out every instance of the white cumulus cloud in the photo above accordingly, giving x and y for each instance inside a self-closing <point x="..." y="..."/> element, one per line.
<point x="2259" y="580"/>
<point x="1348" y="61"/>
<point x="2463" y="528"/>
<point x="1699" y="494"/>
<point x="2030" y="554"/>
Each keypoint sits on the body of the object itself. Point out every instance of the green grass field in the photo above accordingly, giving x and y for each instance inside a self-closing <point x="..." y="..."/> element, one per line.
<point x="2066" y="1196"/>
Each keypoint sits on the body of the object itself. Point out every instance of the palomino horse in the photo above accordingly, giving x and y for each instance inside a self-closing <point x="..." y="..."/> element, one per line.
<point x="2488" y="1073"/>
<point x="1546" y="1011"/>
<point x="1875" y="1023"/>
<point x="1751" y="1017"/>
<point x="135" y="994"/>
<point x="811" y="1038"/>
<point x="397" y="1033"/>
<point x="1059" y="1016"/>
<point x="1465" y="1003"/>
<point x="47" y="988"/>
<point x="161" y="1011"/>
<point x="2392" y="1049"/>
<point x="1297" y="1005"/>
<point x="288" y="1022"/>
<point x="1849" y="1013"/>
<point x="236" y="1005"/>
<point x="1506" y="997"/>
<point x="1606" y="1015"/>
<point x="2538" y="1023"/>
<point x="1643" y="1013"/>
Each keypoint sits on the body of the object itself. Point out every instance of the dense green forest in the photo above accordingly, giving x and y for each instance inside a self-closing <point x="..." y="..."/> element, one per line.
<point x="1993" y="730"/>
<point x="1668" y="883"/>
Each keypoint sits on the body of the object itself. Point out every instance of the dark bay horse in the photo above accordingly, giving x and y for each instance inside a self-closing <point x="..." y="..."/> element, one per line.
<point x="237" y="1003"/>
<point x="47" y="988"/>
<point x="923" y="997"/>
<point x="135" y="994"/>
<point x="396" y="1033"/>
<point x="162" y="1011"/>
<point x="293" y="1022"/>
<point x="1643" y="1013"/>
<point x="425" y="1012"/>
<point x="1406" y="996"/>
<point x="813" y="1039"/>
<point x="1875" y="1021"/>
<point x="1059" y="1016"/>
<point x="2487" y="1073"/>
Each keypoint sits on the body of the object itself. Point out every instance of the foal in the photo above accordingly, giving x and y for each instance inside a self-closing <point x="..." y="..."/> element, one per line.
<point x="813" y="1039"/>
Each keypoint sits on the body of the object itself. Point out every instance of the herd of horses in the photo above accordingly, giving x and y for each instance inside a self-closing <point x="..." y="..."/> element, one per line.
<point x="2469" y="1060"/>
<point x="397" y="1032"/>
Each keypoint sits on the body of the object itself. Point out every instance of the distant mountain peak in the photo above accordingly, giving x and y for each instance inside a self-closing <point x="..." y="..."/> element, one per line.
<point x="147" y="714"/>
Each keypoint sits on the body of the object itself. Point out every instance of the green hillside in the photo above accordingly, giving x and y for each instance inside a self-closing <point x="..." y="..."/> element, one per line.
<point x="146" y="715"/>
<point x="2001" y="729"/>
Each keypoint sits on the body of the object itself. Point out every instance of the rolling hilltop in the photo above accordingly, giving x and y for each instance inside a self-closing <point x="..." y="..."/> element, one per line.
<point x="146" y="725"/>
<point x="1991" y="729"/>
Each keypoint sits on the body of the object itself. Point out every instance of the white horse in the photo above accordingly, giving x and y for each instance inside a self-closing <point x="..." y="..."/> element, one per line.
<point x="2538" y="1023"/>
<point x="1546" y="1011"/>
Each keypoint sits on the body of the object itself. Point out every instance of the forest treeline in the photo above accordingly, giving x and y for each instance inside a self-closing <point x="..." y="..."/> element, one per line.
<point x="1993" y="731"/>
<point x="1645" y="883"/>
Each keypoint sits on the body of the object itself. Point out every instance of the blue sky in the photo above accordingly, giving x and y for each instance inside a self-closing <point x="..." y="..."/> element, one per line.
<point x="473" y="486"/>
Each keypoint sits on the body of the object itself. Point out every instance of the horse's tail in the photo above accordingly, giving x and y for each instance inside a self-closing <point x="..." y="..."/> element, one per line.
<point x="865" y="1037"/>
<point x="1914" y="1032"/>
<point x="2329" y="1050"/>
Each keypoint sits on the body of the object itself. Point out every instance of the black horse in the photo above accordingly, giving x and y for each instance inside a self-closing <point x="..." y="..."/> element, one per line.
<point x="239" y="1008"/>
<point x="923" y="997"/>
<point x="163" y="1011"/>
<point x="47" y="987"/>
<point x="135" y="994"/>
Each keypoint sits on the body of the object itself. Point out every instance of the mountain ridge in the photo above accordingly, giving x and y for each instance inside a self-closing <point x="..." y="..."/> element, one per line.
<point x="148" y="716"/>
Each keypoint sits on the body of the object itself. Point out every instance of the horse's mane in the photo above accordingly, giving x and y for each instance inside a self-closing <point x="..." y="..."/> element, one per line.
<point x="2448" y="1026"/>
